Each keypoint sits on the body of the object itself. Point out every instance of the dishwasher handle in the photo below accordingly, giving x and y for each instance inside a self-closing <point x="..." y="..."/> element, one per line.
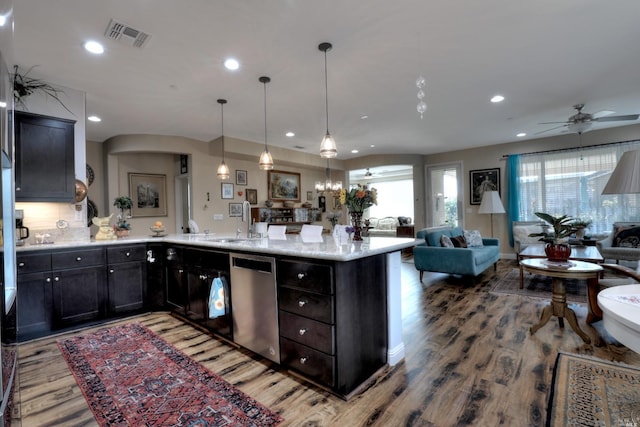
<point x="252" y="264"/>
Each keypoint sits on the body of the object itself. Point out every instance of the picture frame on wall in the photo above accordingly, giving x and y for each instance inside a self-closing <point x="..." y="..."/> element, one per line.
<point x="482" y="180"/>
<point x="235" y="209"/>
<point x="148" y="194"/>
<point x="241" y="177"/>
<point x="309" y="196"/>
<point x="252" y="196"/>
<point x="283" y="186"/>
<point x="226" y="190"/>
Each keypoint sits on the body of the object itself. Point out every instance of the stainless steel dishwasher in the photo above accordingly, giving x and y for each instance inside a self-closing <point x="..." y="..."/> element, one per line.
<point x="254" y="304"/>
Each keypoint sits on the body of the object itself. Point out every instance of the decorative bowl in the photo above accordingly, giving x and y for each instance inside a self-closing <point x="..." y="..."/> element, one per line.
<point x="158" y="231"/>
<point x="288" y="204"/>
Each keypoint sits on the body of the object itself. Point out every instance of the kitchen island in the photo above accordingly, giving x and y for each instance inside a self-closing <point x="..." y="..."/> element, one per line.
<point x="338" y="302"/>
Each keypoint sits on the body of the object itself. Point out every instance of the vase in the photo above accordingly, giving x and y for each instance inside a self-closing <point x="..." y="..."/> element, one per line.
<point x="122" y="233"/>
<point x="557" y="252"/>
<point x="356" y="222"/>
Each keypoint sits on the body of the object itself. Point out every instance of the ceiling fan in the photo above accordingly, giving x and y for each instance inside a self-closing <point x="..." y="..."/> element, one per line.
<point x="581" y="122"/>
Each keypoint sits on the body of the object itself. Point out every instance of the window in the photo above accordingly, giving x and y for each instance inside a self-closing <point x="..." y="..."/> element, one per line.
<point x="570" y="182"/>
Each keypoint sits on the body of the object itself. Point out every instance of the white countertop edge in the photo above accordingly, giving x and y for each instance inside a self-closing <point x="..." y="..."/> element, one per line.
<point x="293" y="245"/>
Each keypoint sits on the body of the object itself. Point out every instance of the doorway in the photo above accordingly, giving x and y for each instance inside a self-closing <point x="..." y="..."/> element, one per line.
<point x="183" y="203"/>
<point x="444" y="186"/>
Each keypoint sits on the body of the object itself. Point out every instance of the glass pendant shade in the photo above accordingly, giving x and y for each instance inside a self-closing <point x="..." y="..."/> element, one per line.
<point x="328" y="148"/>
<point x="223" y="171"/>
<point x="266" y="161"/>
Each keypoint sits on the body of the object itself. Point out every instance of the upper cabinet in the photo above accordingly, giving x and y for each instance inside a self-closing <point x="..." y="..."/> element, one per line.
<point x="45" y="170"/>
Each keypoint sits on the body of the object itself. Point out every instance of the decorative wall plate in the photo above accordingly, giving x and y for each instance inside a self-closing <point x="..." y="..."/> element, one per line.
<point x="90" y="174"/>
<point x="92" y="211"/>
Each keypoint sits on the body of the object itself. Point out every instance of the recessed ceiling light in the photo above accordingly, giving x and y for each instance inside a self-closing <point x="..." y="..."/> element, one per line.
<point x="372" y="145"/>
<point x="232" y="64"/>
<point x="364" y="117"/>
<point x="290" y="134"/>
<point x="94" y="47"/>
<point x="354" y="151"/>
<point x="94" y="119"/>
<point x="497" y="98"/>
<point x="521" y="134"/>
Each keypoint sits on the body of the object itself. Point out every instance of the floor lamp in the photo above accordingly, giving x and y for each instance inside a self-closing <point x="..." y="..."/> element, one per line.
<point x="625" y="178"/>
<point x="491" y="204"/>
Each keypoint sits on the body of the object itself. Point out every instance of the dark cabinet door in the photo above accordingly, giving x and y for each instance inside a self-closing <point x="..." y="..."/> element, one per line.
<point x="78" y="295"/>
<point x="126" y="287"/>
<point x="44" y="158"/>
<point x="197" y="294"/>
<point x="176" y="290"/>
<point x="34" y="304"/>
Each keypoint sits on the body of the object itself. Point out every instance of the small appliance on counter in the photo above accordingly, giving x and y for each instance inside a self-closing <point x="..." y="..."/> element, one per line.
<point x="22" y="232"/>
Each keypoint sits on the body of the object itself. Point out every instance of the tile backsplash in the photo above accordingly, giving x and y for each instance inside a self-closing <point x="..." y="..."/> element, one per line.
<point x="60" y="220"/>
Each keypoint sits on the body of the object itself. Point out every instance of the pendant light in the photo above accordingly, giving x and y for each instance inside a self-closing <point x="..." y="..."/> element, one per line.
<point x="266" y="161"/>
<point x="223" y="169"/>
<point x="328" y="148"/>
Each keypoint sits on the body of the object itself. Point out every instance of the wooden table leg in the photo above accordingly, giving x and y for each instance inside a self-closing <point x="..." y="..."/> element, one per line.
<point x="521" y="274"/>
<point x="594" y="313"/>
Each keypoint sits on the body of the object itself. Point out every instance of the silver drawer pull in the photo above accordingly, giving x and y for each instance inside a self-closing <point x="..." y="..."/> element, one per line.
<point x="302" y="331"/>
<point x="57" y="279"/>
<point x="21" y="264"/>
<point x="111" y="271"/>
<point x="79" y="259"/>
<point x="301" y="276"/>
<point x="128" y="254"/>
<point x="48" y="280"/>
<point x="303" y="360"/>
<point x="301" y="303"/>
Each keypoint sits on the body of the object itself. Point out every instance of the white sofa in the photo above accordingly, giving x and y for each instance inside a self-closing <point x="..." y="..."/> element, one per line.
<point x="521" y="231"/>
<point x="383" y="227"/>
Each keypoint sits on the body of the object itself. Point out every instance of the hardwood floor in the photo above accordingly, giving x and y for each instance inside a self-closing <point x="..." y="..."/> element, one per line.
<point x="470" y="360"/>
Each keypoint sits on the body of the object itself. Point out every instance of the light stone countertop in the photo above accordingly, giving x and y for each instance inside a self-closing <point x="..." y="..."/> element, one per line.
<point x="295" y="245"/>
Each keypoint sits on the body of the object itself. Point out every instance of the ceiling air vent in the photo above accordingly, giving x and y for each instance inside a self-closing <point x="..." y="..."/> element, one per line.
<point x="126" y="34"/>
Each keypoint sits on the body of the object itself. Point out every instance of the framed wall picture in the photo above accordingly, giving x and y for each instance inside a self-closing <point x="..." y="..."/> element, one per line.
<point x="482" y="180"/>
<point x="309" y="196"/>
<point x="149" y="194"/>
<point x="226" y="190"/>
<point x="283" y="186"/>
<point x="235" y="209"/>
<point x="241" y="177"/>
<point x="252" y="196"/>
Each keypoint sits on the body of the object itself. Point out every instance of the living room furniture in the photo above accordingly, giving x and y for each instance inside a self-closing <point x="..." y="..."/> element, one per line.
<point x="559" y="273"/>
<point x="521" y="231"/>
<point x="387" y="226"/>
<point x="491" y="204"/>
<point x="406" y="231"/>
<point x="470" y="261"/>
<point x="579" y="253"/>
<point x="622" y="275"/>
<point x="623" y="243"/>
<point x="621" y="314"/>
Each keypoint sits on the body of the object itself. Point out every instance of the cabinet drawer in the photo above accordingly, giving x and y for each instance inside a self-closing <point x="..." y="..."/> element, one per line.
<point x="309" y="332"/>
<point x="126" y="253"/>
<point x="314" y="277"/>
<point x="314" y="306"/>
<point x="312" y="363"/>
<point x="33" y="263"/>
<point x="77" y="259"/>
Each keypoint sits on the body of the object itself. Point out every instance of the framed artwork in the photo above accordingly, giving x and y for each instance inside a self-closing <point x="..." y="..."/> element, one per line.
<point x="309" y="196"/>
<point x="336" y="203"/>
<point x="482" y="180"/>
<point x="149" y="194"/>
<point x="283" y="185"/>
<point x="252" y="196"/>
<point x="241" y="177"/>
<point x="235" y="209"/>
<point x="226" y="190"/>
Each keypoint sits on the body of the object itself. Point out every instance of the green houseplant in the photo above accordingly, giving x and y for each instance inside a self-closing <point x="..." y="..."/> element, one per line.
<point x="124" y="205"/>
<point x="556" y="247"/>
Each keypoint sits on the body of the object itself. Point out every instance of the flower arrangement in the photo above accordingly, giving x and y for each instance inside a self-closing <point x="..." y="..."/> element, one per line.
<point x="123" y="203"/>
<point x="333" y="217"/>
<point x="359" y="198"/>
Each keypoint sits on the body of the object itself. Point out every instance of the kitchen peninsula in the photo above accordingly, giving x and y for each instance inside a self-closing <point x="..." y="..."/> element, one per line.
<point x="336" y="303"/>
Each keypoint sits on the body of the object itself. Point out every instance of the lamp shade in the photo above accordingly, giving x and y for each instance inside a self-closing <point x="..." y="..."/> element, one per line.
<point x="491" y="203"/>
<point x="625" y="178"/>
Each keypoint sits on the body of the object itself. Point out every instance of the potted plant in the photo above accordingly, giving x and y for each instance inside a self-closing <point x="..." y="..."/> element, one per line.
<point x="23" y="86"/>
<point x="556" y="247"/>
<point x="124" y="205"/>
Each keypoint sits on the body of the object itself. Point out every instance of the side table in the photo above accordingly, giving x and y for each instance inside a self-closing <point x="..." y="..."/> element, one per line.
<point x="559" y="272"/>
<point x="406" y="231"/>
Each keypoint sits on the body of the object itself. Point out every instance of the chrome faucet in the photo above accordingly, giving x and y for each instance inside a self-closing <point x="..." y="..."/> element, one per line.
<point x="246" y="216"/>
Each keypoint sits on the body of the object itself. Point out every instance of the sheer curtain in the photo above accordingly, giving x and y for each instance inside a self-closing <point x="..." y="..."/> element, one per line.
<point x="570" y="182"/>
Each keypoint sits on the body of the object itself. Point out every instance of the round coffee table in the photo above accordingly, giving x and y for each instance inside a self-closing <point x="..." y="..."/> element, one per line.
<point x="621" y="314"/>
<point x="559" y="272"/>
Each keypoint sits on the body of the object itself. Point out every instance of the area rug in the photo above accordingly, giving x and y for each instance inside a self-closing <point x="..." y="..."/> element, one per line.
<point x="132" y="377"/>
<point x="536" y="286"/>
<point x="592" y="392"/>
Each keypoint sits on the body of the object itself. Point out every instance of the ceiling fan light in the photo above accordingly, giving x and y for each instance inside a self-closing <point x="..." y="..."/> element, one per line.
<point x="579" y="127"/>
<point x="223" y="171"/>
<point x="368" y="174"/>
<point x="328" y="149"/>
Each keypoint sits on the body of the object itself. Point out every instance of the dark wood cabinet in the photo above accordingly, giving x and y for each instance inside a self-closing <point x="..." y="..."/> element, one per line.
<point x="45" y="169"/>
<point x="155" y="276"/>
<point x="126" y="282"/>
<point x="176" y="281"/>
<point x="406" y="231"/>
<point x="34" y="305"/>
<point x="78" y="295"/>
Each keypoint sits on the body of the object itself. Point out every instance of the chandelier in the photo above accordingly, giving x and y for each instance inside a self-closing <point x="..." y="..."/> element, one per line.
<point x="328" y="186"/>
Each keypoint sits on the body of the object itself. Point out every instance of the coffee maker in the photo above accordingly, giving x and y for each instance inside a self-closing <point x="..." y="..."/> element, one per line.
<point x="22" y="232"/>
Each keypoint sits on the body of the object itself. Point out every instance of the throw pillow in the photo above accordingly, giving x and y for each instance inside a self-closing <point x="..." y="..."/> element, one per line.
<point x="446" y="242"/>
<point x="627" y="236"/>
<point x="459" y="241"/>
<point x="473" y="238"/>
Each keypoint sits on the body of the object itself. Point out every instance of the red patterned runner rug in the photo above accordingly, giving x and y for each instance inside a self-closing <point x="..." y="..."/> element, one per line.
<point x="132" y="377"/>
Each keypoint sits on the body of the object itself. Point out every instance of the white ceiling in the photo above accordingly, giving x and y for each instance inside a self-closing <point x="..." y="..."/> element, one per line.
<point x="543" y="56"/>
